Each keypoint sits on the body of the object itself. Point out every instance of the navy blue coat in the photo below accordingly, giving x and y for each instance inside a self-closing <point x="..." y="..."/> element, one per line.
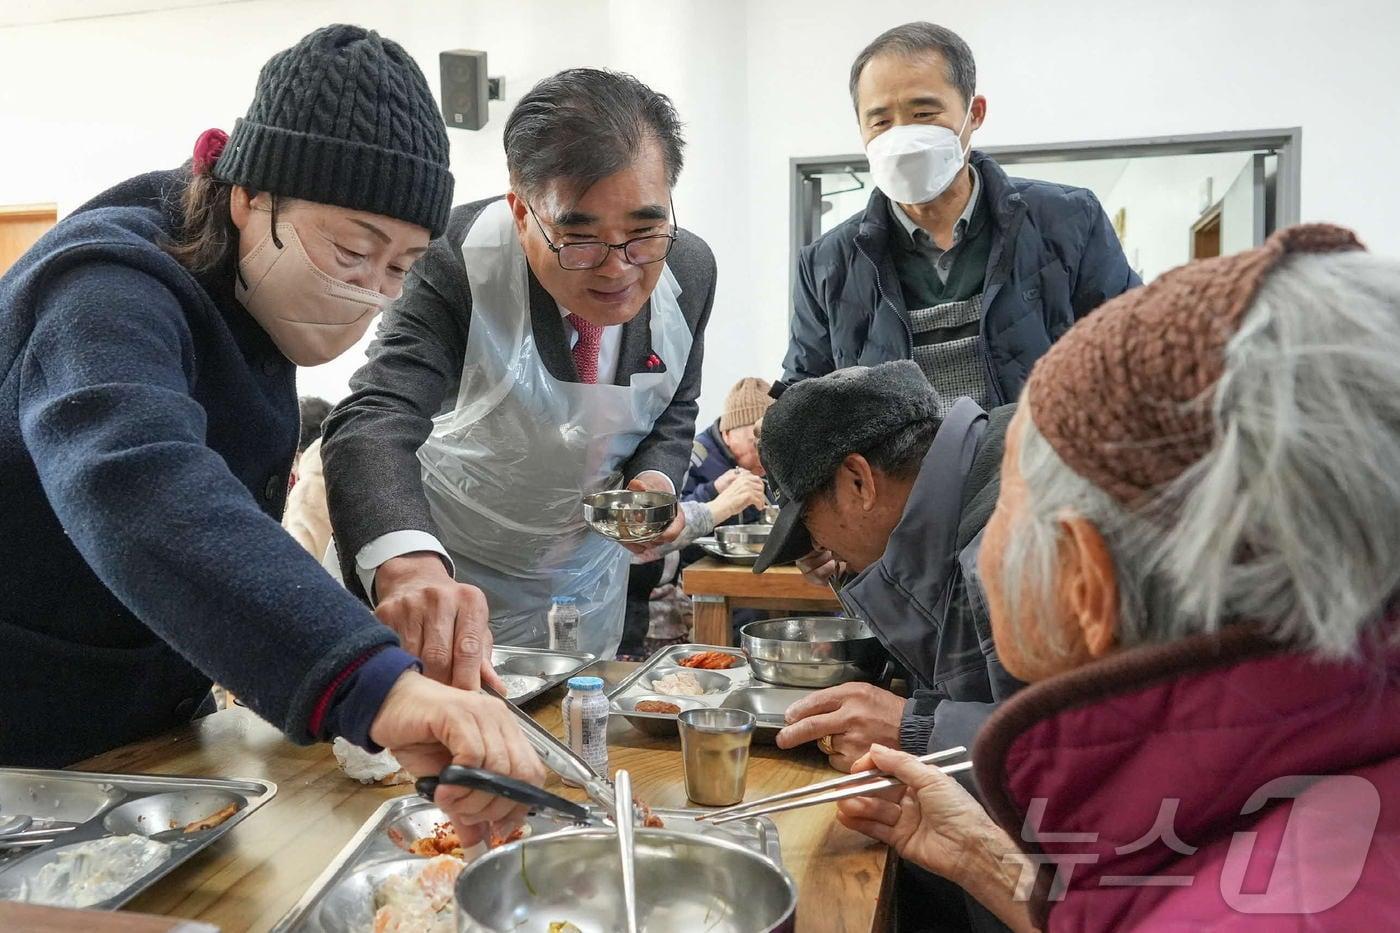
<point x="147" y="428"/>
<point x="1054" y="258"/>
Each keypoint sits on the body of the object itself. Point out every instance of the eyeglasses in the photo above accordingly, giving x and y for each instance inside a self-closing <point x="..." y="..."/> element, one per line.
<point x="638" y="251"/>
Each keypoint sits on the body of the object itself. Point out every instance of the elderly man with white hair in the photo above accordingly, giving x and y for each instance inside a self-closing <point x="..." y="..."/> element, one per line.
<point x="1194" y="559"/>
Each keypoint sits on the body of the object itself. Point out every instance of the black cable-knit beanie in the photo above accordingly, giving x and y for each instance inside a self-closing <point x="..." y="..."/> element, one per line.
<point x="345" y="117"/>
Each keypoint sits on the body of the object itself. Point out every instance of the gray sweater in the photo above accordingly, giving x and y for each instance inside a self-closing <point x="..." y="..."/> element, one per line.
<point x="371" y="440"/>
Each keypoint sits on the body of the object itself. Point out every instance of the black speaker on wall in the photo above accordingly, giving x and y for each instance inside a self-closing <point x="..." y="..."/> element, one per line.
<point x="465" y="88"/>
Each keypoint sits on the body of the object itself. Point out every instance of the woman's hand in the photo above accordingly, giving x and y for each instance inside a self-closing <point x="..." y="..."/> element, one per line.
<point x="935" y="823"/>
<point x="428" y="725"/>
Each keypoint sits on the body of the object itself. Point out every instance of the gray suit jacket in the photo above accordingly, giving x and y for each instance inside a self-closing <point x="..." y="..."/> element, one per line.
<point x="371" y="440"/>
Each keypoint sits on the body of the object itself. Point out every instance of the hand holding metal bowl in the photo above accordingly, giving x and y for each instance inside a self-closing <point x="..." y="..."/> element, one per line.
<point x="630" y="516"/>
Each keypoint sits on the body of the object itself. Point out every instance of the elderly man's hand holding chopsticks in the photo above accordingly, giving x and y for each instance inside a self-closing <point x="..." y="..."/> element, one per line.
<point x="932" y="821"/>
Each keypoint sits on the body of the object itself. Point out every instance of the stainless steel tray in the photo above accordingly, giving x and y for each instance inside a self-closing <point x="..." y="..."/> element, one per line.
<point x="106" y="805"/>
<point x="551" y="667"/>
<point x="743" y="691"/>
<point x="341" y="900"/>
<point x="711" y="547"/>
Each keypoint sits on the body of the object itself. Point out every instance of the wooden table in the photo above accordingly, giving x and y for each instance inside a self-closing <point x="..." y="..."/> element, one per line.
<point x="252" y="876"/>
<point x="717" y="587"/>
<point x="33" y="919"/>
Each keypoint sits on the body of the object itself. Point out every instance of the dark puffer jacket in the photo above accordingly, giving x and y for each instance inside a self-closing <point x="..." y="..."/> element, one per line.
<point x="1054" y="258"/>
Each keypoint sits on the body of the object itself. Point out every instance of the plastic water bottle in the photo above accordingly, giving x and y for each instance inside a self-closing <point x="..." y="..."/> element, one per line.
<point x="586" y="722"/>
<point x="563" y="624"/>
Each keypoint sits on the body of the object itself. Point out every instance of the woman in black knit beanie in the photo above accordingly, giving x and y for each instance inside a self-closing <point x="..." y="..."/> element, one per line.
<point x="148" y="423"/>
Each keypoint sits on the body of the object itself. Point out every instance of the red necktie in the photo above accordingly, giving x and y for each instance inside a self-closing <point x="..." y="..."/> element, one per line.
<point x="590" y="338"/>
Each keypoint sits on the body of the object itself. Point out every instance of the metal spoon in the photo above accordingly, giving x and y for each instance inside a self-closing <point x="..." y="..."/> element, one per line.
<point x="622" y="819"/>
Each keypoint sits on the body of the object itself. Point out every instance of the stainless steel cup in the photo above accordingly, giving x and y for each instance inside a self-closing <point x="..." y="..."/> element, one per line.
<point x="715" y="749"/>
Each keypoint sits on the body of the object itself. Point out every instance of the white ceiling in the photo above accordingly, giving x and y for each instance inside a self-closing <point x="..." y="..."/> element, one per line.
<point x="24" y="12"/>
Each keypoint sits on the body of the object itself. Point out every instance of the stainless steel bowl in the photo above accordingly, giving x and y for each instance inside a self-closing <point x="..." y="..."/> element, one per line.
<point x="630" y="517"/>
<point x="683" y="883"/>
<point x="742" y="540"/>
<point x="814" y="651"/>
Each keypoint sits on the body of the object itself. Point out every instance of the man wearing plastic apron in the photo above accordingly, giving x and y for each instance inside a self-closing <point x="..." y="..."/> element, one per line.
<point x="506" y="470"/>
<point x="549" y="345"/>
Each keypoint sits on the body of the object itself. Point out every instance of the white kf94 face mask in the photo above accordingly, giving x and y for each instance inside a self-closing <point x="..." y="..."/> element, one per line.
<point x="914" y="164"/>
<point x="310" y="315"/>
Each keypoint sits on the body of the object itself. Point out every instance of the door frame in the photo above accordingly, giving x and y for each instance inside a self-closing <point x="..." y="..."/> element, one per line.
<point x="26" y="213"/>
<point x="1286" y="143"/>
<point x="29" y="211"/>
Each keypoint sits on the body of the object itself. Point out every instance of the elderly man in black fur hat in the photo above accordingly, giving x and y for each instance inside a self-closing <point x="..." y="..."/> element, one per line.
<point x="875" y="484"/>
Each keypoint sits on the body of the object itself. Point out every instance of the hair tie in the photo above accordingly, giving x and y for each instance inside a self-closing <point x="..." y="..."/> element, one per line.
<point x="207" y="149"/>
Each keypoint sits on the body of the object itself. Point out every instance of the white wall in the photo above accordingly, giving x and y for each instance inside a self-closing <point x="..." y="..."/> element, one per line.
<point x="1162" y="198"/>
<point x="1094" y="69"/>
<point x="87" y="102"/>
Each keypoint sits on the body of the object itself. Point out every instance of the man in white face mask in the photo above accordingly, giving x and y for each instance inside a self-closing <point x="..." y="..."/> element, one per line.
<point x="968" y="272"/>
<point x="954" y="265"/>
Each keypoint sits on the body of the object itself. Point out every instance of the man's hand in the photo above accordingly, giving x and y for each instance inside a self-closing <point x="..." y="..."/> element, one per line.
<point x="820" y="566"/>
<point x="653" y="482"/>
<point x="856" y="716"/>
<point x="428" y="726"/>
<point x="438" y="619"/>
<point x="744" y="491"/>
<point x="728" y="477"/>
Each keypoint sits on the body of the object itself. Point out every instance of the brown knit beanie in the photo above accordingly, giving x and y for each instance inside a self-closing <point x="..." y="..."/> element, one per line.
<point x="745" y="404"/>
<point x="1125" y="397"/>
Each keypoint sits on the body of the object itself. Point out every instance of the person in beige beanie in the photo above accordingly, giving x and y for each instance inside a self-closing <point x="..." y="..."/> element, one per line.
<point x="727" y="452"/>
<point x="743" y="409"/>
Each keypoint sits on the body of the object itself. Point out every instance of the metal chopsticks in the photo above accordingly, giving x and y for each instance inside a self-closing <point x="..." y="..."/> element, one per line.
<point x="850" y="785"/>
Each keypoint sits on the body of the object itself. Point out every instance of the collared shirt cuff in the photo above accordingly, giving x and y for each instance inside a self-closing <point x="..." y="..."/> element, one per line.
<point x="395" y="544"/>
<point x="669" y="482"/>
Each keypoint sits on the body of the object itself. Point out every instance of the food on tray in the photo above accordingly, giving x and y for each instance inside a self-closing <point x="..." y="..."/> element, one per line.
<point x="420" y="902"/>
<point x="657" y="706"/>
<point x="520" y="833"/>
<point x="679" y="684"/>
<point x="210" y="821"/>
<point x="563" y="926"/>
<point x="366" y="768"/>
<point x="649" y="820"/>
<point x="710" y="661"/>
<point x="443" y="841"/>
<point x="89" y="873"/>
<point x="518" y="685"/>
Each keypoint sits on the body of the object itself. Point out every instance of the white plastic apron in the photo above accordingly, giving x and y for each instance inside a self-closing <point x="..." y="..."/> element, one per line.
<point x="506" y="470"/>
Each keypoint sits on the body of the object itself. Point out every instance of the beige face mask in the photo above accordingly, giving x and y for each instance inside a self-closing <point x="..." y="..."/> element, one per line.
<point x="311" y="316"/>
